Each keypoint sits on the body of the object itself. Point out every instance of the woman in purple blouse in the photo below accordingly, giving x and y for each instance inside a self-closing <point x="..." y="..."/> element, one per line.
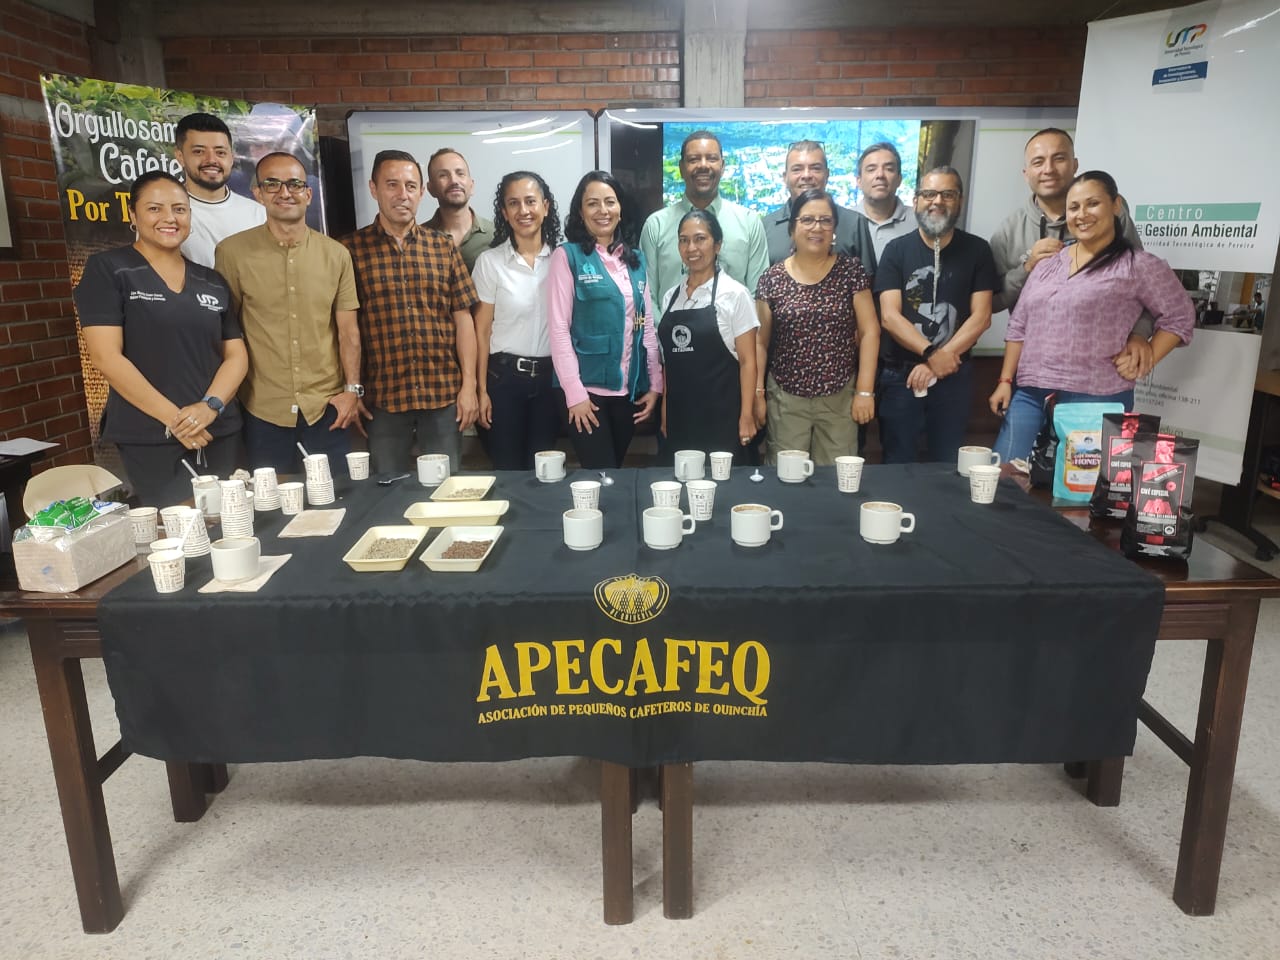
<point x="1076" y="312"/>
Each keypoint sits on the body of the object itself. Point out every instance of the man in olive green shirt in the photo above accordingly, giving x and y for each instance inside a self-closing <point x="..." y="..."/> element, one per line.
<point x="295" y="291"/>
<point x="449" y="181"/>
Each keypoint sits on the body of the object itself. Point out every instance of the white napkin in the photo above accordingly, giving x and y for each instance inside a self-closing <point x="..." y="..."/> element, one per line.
<point x="266" y="567"/>
<point x="314" y="523"/>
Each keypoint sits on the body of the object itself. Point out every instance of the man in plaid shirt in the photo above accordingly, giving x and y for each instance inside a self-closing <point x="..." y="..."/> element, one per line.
<point x="418" y="337"/>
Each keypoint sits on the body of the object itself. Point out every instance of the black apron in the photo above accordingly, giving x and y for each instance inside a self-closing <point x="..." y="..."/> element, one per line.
<point x="704" y="403"/>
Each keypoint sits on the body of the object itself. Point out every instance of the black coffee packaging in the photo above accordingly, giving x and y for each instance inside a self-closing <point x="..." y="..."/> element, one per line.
<point x="1159" y="521"/>
<point x="1111" y="494"/>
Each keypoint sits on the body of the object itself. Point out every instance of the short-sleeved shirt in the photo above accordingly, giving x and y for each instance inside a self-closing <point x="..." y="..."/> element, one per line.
<point x="518" y="293"/>
<point x="853" y="236"/>
<point x="211" y="223"/>
<point x="286" y="295"/>
<point x="735" y="307"/>
<point x="408" y="296"/>
<point x="174" y="339"/>
<point x="907" y="266"/>
<point x="474" y="243"/>
<point x="744" y="254"/>
<point x="813" y="351"/>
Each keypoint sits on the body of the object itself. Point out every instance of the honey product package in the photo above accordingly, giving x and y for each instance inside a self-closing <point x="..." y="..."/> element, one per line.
<point x="1159" y="521"/>
<point x="1115" y="478"/>
<point x="1079" y="430"/>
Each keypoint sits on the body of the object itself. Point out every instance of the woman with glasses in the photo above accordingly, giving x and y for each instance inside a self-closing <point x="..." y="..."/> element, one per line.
<point x="708" y="339"/>
<point x="599" y="312"/>
<point x="163" y="332"/>
<point x="818" y="340"/>
<point x="518" y="414"/>
<point x="1075" y="314"/>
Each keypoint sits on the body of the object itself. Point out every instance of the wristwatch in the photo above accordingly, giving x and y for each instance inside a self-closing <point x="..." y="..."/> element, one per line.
<point x="214" y="404"/>
<point x="355" y="388"/>
<point x="928" y="352"/>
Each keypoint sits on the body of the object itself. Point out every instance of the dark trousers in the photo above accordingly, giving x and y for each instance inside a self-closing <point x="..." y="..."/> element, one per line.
<point x="158" y="478"/>
<point x="269" y="445"/>
<point x="942" y="416"/>
<point x="526" y="413"/>
<point x="606" y="445"/>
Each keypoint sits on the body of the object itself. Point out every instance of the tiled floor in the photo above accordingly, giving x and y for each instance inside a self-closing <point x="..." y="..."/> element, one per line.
<point x="384" y="859"/>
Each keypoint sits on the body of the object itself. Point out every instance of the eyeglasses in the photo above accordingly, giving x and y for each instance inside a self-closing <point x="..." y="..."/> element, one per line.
<point x="928" y="196"/>
<point x="824" y="222"/>
<point x="272" y="185"/>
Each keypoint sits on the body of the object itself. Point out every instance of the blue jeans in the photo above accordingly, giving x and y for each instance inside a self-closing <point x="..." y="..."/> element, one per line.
<point x="942" y="416"/>
<point x="269" y="445"/>
<point x="1026" y="415"/>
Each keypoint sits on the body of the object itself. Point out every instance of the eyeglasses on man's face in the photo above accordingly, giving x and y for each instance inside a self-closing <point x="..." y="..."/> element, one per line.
<point x="273" y="185"/>
<point x="947" y="196"/>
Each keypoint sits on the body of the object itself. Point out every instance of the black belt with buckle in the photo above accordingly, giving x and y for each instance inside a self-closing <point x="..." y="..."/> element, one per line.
<point x="529" y="366"/>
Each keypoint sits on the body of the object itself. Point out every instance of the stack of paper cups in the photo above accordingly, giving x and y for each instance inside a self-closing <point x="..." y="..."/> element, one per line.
<point x="173" y="519"/>
<point x="195" y="536"/>
<point x="237" y="513"/>
<point x="266" y="493"/>
<point x="319" y="479"/>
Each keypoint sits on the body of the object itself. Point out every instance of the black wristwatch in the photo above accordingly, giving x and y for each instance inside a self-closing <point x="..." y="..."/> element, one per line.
<point x="928" y="352"/>
<point x="214" y="404"/>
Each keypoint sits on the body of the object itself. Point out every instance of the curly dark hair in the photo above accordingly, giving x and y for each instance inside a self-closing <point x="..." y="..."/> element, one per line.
<point x="624" y="238"/>
<point x="550" y="223"/>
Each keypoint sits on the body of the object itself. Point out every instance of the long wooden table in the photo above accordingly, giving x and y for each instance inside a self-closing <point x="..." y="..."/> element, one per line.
<point x="1212" y="597"/>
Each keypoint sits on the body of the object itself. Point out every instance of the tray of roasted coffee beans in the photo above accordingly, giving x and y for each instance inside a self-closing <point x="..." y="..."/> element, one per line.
<point x="461" y="549"/>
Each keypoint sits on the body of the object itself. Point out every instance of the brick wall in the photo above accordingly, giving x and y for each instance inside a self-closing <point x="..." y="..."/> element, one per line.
<point x="912" y="67"/>
<point x="481" y="72"/>
<point x="41" y="386"/>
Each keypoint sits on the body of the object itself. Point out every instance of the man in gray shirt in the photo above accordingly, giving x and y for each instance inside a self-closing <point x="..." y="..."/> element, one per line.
<point x="879" y="177"/>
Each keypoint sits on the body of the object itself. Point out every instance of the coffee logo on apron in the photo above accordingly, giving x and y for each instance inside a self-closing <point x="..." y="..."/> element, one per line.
<point x="681" y="338"/>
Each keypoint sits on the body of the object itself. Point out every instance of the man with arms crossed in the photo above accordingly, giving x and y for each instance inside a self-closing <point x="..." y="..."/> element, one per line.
<point x="806" y="169"/>
<point x="935" y="288"/>
<point x="419" y="339"/>
<point x="1038" y="229"/>
<point x="203" y="147"/>
<point x="296" y="296"/>
<point x="744" y="255"/>
<point x="449" y="181"/>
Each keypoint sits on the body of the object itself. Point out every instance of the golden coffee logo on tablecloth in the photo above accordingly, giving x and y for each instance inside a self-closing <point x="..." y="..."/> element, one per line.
<point x="632" y="598"/>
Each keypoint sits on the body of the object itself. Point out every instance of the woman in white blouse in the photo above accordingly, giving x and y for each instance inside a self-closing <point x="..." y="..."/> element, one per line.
<point x="518" y="412"/>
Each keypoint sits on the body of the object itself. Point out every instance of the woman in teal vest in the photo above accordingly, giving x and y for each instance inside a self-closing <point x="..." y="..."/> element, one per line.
<point x="600" y="318"/>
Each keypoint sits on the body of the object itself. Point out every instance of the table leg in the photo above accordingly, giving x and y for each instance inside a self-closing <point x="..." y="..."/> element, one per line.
<point x="615" y="832"/>
<point x="75" y="771"/>
<point x="186" y="791"/>
<point x="677" y="841"/>
<point x="215" y="777"/>
<point x="1213" y="763"/>
<point x="1105" y="778"/>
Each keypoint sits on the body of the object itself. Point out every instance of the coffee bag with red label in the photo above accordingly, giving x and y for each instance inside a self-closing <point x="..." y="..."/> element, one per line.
<point x="1159" y="520"/>
<point x="1111" y="495"/>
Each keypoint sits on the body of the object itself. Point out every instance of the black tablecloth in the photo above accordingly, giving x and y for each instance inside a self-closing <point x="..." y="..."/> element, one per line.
<point x="991" y="633"/>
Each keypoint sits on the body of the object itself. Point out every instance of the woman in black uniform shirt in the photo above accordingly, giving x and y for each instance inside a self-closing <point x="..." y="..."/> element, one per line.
<point x="163" y="332"/>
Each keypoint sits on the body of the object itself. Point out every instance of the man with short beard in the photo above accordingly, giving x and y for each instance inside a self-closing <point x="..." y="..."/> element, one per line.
<point x="203" y="147"/>
<point x="934" y="287"/>
<point x="449" y="182"/>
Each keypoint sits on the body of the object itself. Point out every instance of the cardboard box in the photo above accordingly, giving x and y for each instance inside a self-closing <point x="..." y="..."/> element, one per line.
<point x="53" y="561"/>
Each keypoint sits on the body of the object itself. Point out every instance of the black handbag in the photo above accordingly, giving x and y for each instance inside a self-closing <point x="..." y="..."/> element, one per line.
<point x="1045" y="449"/>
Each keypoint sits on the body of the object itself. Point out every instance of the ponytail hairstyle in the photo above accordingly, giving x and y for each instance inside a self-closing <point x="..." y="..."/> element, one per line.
<point x="550" y="223"/>
<point x="624" y="237"/>
<point x="1119" y="244"/>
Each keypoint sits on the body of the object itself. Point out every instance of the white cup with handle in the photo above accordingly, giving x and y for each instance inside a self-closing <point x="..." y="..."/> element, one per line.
<point x="751" y="524"/>
<point x="665" y="527"/>
<point x="690" y="465"/>
<point x="794" y="466"/>
<point x="880" y="521"/>
<point x="972" y="456"/>
<point x="548" y="465"/>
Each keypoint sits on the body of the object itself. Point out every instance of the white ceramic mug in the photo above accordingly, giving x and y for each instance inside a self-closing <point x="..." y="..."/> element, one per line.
<point x="972" y="456"/>
<point x="583" y="529"/>
<point x="794" y="466"/>
<point x="235" y="560"/>
<point x="702" y="498"/>
<point x="751" y="524"/>
<point x="882" y="522"/>
<point x="721" y="465"/>
<point x="849" y="474"/>
<point x="666" y="493"/>
<point x="690" y="465"/>
<point x="207" y="494"/>
<point x="548" y="465"/>
<point x="433" y="469"/>
<point x="665" y="527"/>
<point x="983" y="480"/>
<point x="586" y="494"/>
